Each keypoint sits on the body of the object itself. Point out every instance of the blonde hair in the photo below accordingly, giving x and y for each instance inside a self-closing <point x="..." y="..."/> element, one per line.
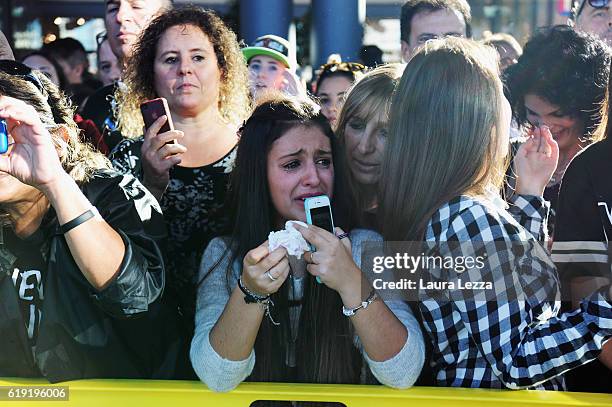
<point x="233" y="102"/>
<point x="80" y="160"/>
<point x="367" y="98"/>
<point x="443" y="139"/>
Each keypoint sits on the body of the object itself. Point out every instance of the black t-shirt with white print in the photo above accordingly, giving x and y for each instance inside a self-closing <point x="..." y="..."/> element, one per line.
<point x="28" y="276"/>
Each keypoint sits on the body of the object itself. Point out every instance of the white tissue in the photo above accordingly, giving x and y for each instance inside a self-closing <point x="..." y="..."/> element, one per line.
<point x="290" y="239"/>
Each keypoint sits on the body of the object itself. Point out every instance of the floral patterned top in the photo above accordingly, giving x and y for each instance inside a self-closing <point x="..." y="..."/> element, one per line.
<point x="195" y="212"/>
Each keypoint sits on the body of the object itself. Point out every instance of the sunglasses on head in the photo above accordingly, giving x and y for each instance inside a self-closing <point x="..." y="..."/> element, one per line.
<point x="100" y="38"/>
<point x="343" y="67"/>
<point x="594" y="4"/>
<point x="22" y="71"/>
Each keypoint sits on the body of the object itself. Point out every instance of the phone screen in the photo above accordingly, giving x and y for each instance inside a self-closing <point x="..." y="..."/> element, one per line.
<point x="3" y="137"/>
<point x="322" y="218"/>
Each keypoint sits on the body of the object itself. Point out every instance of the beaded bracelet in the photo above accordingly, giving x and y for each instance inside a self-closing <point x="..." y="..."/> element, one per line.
<point x="251" y="298"/>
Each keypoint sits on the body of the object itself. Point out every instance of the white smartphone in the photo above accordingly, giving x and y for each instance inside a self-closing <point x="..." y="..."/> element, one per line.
<point x="319" y="213"/>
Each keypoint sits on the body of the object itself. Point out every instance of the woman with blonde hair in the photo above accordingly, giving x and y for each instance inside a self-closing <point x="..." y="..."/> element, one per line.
<point x="188" y="56"/>
<point x="78" y="254"/>
<point x="493" y="321"/>
<point x="362" y="133"/>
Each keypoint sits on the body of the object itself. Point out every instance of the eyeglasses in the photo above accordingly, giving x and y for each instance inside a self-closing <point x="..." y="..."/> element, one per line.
<point x="342" y="67"/>
<point x="23" y="71"/>
<point x="594" y="4"/>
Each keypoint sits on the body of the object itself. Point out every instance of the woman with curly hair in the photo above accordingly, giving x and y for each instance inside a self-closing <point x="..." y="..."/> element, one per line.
<point x="189" y="57"/>
<point x="81" y="272"/>
<point x="560" y="82"/>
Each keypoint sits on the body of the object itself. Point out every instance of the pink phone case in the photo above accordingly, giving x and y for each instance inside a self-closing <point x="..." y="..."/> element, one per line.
<point x="152" y="109"/>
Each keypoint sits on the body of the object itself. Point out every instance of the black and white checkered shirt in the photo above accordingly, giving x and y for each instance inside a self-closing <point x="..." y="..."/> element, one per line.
<point x="512" y="343"/>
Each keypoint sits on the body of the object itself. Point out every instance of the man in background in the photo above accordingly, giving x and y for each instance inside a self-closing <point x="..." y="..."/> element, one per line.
<point x="593" y="16"/>
<point x="124" y="21"/>
<point x="423" y="20"/>
<point x="72" y="58"/>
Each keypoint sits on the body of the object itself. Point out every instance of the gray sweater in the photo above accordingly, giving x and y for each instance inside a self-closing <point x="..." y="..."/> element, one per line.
<point x="219" y="374"/>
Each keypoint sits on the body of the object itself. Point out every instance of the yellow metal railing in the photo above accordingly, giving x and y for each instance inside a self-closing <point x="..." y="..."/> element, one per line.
<point x="153" y="393"/>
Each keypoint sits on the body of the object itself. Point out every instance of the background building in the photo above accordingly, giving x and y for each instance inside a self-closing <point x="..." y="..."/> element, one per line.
<point x="318" y="27"/>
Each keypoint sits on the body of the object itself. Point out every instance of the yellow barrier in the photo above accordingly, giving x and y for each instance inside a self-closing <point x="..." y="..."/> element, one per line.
<point x="153" y="393"/>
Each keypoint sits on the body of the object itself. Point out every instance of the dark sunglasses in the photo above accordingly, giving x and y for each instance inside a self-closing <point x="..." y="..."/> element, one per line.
<point x="342" y="67"/>
<point x="24" y="72"/>
<point x="594" y="4"/>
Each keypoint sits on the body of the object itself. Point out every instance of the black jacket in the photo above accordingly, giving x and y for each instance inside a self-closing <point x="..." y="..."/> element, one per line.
<point x="127" y="330"/>
<point x="581" y="246"/>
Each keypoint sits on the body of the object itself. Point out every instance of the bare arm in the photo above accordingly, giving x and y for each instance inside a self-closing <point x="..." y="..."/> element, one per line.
<point x="380" y="332"/>
<point x="234" y="334"/>
<point x="101" y="265"/>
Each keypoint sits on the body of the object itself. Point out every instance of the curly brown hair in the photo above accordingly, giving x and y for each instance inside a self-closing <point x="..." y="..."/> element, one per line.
<point x="80" y="160"/>
<point x="234" y="103"/>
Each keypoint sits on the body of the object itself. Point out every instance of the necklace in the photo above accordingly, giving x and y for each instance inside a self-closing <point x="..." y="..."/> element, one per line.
<point x="556" y="177"/>
<point x="560" y="170"/>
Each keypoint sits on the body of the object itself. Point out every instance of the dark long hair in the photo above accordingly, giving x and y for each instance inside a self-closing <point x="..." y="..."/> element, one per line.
<point x="325" y="351"/>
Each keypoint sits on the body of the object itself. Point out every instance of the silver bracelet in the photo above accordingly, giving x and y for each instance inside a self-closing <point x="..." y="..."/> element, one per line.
<point x="349" y="312"/>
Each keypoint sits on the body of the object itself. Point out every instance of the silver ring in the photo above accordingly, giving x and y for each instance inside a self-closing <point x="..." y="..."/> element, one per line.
<point x="312" y="260"/>
<point x="342" y="236"/>
<point x="267" y="273"/>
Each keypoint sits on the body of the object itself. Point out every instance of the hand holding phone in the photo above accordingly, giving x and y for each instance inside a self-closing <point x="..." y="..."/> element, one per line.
<point x="319" y="213"/>
<point x="153" y="109"/>
<point x="332" y="263"/>
<point x="3" y="137"/>
<point x="160" y="149"/>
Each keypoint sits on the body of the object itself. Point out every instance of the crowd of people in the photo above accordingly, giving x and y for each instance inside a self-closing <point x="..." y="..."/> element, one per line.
<point x="141" y="251"/>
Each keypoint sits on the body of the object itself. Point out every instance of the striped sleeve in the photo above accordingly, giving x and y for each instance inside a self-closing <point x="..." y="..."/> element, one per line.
<point x="579" y="247"/>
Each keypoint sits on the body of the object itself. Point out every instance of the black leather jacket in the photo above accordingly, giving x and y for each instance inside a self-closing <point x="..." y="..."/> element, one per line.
<point x="127" y="330"/>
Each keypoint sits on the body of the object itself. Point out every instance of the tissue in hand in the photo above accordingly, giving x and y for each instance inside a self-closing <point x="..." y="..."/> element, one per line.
<point x="290" y="239"/>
